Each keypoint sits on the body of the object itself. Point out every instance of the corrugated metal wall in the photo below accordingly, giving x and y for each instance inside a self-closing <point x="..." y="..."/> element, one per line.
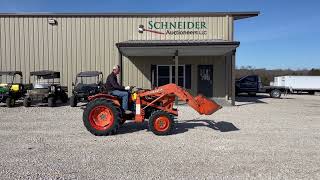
<point x="85" y="43"/>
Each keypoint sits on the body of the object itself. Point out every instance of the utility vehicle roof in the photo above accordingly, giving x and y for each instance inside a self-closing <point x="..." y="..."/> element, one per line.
<point x="11" y="73"/>
<point x="46" y="73"/>
<point x="89" y="73"/>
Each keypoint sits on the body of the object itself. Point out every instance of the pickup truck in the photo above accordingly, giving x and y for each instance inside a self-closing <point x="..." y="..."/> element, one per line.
<point x="252" y="85"/>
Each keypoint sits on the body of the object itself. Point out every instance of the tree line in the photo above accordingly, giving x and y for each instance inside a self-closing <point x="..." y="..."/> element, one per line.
<point x="267" y="75"/>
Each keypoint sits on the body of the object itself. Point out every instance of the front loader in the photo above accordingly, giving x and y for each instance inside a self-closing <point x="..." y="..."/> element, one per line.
<point x="103" y="114"/>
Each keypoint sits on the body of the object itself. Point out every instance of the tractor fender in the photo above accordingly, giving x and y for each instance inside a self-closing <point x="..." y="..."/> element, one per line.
<point x="104" y="96"/>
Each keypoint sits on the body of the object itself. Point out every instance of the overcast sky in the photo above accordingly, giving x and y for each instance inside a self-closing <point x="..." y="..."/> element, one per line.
<point x="285" y="35"/>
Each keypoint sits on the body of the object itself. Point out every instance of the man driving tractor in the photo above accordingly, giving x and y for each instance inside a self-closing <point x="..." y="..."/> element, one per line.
<point x="116" y="89"/>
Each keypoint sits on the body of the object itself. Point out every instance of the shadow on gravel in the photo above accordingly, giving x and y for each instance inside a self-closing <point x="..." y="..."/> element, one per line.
<point x="251" y="99"/>
<point x="40" y="104"/>
<point x="16" y="105"/>
<point x="131" y="126"/>
<point x="255" y="99"/>
<point x="181" y="127"/>
<point x="221" y="126"/>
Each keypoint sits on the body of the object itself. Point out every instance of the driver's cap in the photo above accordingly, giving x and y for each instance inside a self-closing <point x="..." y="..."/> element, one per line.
<point x="116" y="67"/>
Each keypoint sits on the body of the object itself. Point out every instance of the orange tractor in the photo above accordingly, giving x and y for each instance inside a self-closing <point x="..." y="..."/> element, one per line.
<point x="103" y="114"/>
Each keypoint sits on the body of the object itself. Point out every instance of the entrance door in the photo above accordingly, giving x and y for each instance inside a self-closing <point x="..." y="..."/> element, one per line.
<point x="205" y="80"/>
<point x="166" y="75"/>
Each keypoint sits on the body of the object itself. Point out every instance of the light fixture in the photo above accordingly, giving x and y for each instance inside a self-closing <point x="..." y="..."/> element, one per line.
<point x="52" y="22"/>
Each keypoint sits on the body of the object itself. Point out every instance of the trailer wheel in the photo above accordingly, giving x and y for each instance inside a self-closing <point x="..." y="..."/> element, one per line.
<point x="161" y="123"/>
<point x="73" y="101"/>
<point x="10" y="102"/>
<point x="275" y="93"/>
<point x="27" y="102"/>
<point x="101" y="117"/>
<point x="51" y="101"/>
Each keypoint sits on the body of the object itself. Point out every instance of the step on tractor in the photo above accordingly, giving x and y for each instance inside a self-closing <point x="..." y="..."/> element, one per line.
<point x="86" y="84"/>
<point x="103" y="114"/>
<point x="11" y="87"/>
<point x="46" y="89"/>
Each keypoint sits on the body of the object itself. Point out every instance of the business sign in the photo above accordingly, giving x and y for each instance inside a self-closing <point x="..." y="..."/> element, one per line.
<point x="175" y="28"/>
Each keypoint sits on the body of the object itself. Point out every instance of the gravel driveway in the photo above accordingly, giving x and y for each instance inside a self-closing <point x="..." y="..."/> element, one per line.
<point x="260" y="138"/>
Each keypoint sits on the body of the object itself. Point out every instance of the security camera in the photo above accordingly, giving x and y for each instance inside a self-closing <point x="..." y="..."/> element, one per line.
<point x="52" y="21"/>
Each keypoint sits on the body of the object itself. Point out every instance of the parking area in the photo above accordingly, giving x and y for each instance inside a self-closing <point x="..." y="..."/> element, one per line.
<point x="259" y="138"/>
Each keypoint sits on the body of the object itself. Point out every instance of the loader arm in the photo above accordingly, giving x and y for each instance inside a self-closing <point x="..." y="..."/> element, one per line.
<point x="199" y="103"/>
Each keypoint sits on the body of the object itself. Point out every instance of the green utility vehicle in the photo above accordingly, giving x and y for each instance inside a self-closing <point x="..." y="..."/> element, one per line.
<point x="11" y="87"/>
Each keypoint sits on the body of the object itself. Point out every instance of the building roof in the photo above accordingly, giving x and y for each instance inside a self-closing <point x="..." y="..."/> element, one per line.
<point x="236" y="15"/>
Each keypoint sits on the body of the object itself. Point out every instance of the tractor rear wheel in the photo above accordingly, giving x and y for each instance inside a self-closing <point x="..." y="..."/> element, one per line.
<point x="161" y="123"/>
<point x="101" y="117"/>
<point x="10" y="102"/>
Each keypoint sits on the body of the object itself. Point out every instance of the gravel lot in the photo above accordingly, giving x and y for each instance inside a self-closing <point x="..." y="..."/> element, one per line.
<point x="260" y="138"/>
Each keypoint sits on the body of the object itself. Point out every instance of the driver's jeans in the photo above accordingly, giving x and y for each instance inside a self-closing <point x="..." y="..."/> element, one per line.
<point x="124" y="96"/>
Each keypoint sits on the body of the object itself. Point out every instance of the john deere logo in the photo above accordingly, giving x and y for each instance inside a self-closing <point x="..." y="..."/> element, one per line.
<point x="175" y="28"/>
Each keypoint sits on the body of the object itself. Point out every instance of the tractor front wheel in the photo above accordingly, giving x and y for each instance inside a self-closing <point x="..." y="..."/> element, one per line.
<point x="161" y="123"/>
<point x="101" y="117"/>
<point x="10" y="102"/>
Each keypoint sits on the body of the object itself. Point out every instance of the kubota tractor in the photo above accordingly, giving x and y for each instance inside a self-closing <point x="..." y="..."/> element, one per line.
<point x="103" y="114"/>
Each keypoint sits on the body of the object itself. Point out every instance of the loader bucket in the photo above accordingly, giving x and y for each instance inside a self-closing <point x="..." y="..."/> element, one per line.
<point x="207" y="106"/>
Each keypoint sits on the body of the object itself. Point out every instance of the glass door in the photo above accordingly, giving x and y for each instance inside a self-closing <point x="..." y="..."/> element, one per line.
<point x="166" y="75"/>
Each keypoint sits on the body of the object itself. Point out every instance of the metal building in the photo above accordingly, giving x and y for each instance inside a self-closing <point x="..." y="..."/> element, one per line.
<point x="153" y="49"/>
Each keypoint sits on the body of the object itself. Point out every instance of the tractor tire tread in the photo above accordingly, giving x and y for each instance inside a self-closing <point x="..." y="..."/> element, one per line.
<point x="156" y="114"/>
<point x="111" y="131"/>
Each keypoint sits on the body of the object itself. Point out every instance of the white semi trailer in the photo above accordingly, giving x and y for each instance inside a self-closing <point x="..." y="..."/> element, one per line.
<point x="298" y="84"/>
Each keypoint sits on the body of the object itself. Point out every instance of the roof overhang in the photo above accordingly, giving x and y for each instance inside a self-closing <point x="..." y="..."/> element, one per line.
<point x="170" y="47"/>
<point x="235" y="15"/>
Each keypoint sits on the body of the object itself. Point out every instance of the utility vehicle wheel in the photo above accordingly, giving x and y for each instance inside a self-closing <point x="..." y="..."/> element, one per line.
<point x="275" y="93"/>
<point x="64" y="98"/>
<point x="27" y="102"/>
<point x="311" y="92"/>
<point x="73" y="101"/>
<point x="101" y="117"/>
<point x="161" y="123"/>
<point x="10" y="102"/>
<point x="51" y="101"/>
